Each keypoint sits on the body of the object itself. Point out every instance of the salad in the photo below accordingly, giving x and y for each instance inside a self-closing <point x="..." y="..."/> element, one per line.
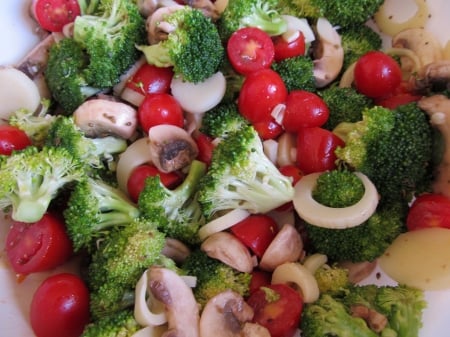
<point x="210" y="90"/>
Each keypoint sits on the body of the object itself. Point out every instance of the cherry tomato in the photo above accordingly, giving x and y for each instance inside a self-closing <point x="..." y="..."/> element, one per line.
<point x="396" y="100"/>
<point x="12" y="138"/>
<point x="250" y="49"/>
<point x="150" y="79"/>
<point x="377" y="74"/>
<point x="268" y="129"/>
<point x="159" y="109"/>
<point x="260" y="278"/>
<point x="38" y="246"/>
<point x="429" y="210"/>
<point x="315" y="149"/>
<point x="296" y="174"/>
<point x="53" y="15"/>
<point x="256" y="232"/>
<point x="277" y="307"/>
<point x="285" y="49"/>
<point x="304" y="109"/>
<point x="136" y="181"/>
<point x="205" y="148"/>
<point x="60" y="307"/>
<point x="260" y="93"/>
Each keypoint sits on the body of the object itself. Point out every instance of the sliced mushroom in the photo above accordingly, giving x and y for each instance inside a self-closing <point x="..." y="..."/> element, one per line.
<point x="181" y="309"/>
<point x="225" y="315"/>
<point x="105" y="117"/>
<point x="207" y="7"/>
<point x="358" y="271"/>
<point x="375" y="320"/>
<point x="254" y="330"/>
<point x="434" y="76"/>
<point x="148" y="7"/>
<point x="171" y="147"/>
<point x="328" y="53"/>
<point x="176" y="250"/>
<point x="157" y="28"/>
<point x="287" y="246"/>
<point x="225" y="247"/>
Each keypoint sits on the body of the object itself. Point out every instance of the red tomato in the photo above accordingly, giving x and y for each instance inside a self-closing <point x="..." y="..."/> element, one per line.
<point x="286" y="49"/>
<point x="296" y="174"/>
<point x="260" y="93"/>
<point x="281" y="316"/>
<point x="150" y="79"/>
<point x="268" y="129"/>
<point x="159" y="109"/>
<point x="136" y="181"/>
<point x="429" y="210"/>
<point x="60" y="307"/>
<point x="205" y="148"/>
<point x="394" y="101"/>
<point x="38" y="246"/>
<point x="256" y="232"/>
<point x="304" y="109"/>
<point x="53" y="15"/>
<point x="315" y="149"/>
<point x="260" y="278"/>
<point x="377" y="74"/>
<point x="12" y="138"/>
<point x="250" y="49"/>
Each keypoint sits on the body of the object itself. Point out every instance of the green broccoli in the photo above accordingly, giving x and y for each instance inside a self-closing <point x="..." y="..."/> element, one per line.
<point x="392" y="147"/>
<point x="222" y="120"/>
<point x="109" y="37"/>
<point x="31" y="178"/>
<point x="365" y="242"/>
<point x="262" y="14"/>
<point x="213" y="276"/>
<point x="297" y="73"/>
<point x="177" y="211"/>
<point x="93" y="209"/>
<point x="96" y="153"/>
<point x="332" y="279"/>
<point x="242" y="176"/>
<point x="119" y="324"/>
<point x="345" y="105"/>
<point x="193" y="47"/>
<point x="65" y="76"/>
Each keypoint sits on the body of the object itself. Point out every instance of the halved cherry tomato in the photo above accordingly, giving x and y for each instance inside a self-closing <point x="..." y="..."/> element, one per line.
<point x="38" y="246"/>
<point x="285" y="49"/>
<point x="429" y="210"/>
<point x="377" y="74"/>
<point x="159" y="109"/>
<point x="268" y="129"/>
<point x="304" y="109"/>
<point x="12" y="138"/>
<point x="205" y="147"/>
<point x="256" y="232"/>
<point x="260" y="278"/>
<point x="53" y="15"/>
<point x="60" y="306"/>
<point x="277" y="307"/>
<point x="136" y="181"/>
<point x="250" y="49"/>
<point x="315" y="149"/>
<point x="150" y="79"/>
<point x="396" y="100"/>
<point x="260" y="93"/>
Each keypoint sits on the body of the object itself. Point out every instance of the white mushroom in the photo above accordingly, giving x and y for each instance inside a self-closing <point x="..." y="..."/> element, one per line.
<point x="181" y="309"/>
<point x="148" y="7"/>
<point x="176" y="250"/>
<point x="157" y="28"/>
<point x="328" y="53"/>
<point x="287" y="246"/>
<point x="228" y="249"/>
<point x="434" y="76"/>
<point x="105" y="117"/>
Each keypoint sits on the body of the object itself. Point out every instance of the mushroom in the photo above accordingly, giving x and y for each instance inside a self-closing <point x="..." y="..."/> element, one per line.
<point x="148" y="7"/>
<point x="227" y="314"/>
<point x="438" y="108"/>
<point x="375" y="320"/>
<point x="181" y="309"/>
<point x="358" y="271"/>
<point x="157" y="28"/>
<point x="434" y="76"/>
<point x="225" y="247"/>
<point x="287" y="246"/>
<point x="171" y="147"/>
<point x="176" y="250"/>
<point x="328" y="53"/>
<point x="207" y="7"/>
<point x="102" y="117"/>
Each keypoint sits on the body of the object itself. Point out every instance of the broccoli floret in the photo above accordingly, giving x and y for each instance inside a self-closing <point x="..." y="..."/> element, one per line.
<point x="345" y="105"/>
<point x="392" y="147"/>
<point x="120" y="324"/>
<point x="177" y="212"/>
<point x="93" y="209"/>
<point x="96" y="153"/>
<point x="213" y="276"/>
<point x="297" y="73"/>
<point x="31" y="178"/>
<point x="222" y="120"/>
<point x="332" y="279"/>
<point x="109" y="37"/>
<point x="193" y="48"/>
<point x="242" y="176"/>
<point x="65" y="76"/>
<point x="262" y="14"/>
<point x="118" y="262"/>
